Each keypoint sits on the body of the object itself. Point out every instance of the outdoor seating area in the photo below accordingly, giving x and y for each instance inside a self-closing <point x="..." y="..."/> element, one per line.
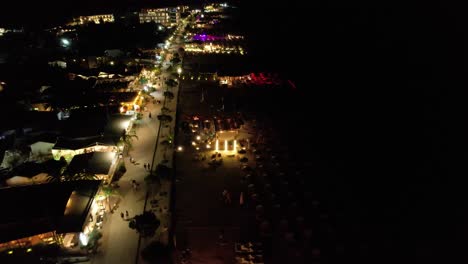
<point x="275" y="193"/>
<point x="248" y="253"/>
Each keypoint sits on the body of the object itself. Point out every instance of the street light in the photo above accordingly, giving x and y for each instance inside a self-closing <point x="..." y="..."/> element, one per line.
<point x="179" y="71"/>
<point x="65" y="42"/>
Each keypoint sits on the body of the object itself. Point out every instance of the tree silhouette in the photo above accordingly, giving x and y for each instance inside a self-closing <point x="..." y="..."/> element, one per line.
<point x="156" y="252"/>
<point x="127" y="138"/>
<point x="83" y="175"/>
<point x="145" y="224"/>
<point x="164" y="118"/>
<point x="107" y="191"/>
<point x="169" y="95"/>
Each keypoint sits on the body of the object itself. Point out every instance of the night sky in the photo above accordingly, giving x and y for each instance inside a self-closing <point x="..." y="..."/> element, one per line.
<point x="383" y="103"/>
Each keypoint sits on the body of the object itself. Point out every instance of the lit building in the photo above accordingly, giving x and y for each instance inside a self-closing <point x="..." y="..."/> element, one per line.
<point x="104" y="139"/>
<point x="3" y="31"/>
<point x="44" y="214"/>
<point x="99" y="164"/>
<point x="68" y="148"/>
<point x="165" y="16"/>
<point x="97" y="19"/>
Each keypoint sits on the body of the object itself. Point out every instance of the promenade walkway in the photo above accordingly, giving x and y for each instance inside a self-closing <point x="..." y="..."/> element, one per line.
<point x="119" y="243"/>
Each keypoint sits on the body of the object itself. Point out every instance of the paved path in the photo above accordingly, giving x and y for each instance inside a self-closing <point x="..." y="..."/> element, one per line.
<point x="119" y="242"/>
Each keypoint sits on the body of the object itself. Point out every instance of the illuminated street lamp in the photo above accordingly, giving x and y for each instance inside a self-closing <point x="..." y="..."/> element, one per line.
<point x="65" y="42"/>
<point x="179" y="71"/>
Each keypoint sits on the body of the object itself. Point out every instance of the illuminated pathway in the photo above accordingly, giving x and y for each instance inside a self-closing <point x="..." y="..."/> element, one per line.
<point x="119" y="242"/>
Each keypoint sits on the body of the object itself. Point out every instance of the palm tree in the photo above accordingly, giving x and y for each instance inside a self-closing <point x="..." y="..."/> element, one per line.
<point x="126" y="139"/>
<point x="171" y="83"/>
<point x="165" y="118"/>
<point x="165" y="110"/>
<point x="83" y="175"/>
<point x="107" y="191"/>
<point x="145" y="224"/>
<point x="152" y="180"/>
<point x="169" y="95"/>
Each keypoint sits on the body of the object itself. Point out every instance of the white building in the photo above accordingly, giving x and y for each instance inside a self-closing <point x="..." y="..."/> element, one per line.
<point x="165" y="16"/>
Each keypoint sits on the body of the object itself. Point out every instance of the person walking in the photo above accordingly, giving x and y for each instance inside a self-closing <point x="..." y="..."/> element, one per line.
<point x="221" y="236"/>
<point x="144" y="165"/>
<point x="228" y="198"/>
<point x="122" y="215"/>
<point x="149" y="115"/>
<point x="225" y="195"/>
<point x="126" y="213"/>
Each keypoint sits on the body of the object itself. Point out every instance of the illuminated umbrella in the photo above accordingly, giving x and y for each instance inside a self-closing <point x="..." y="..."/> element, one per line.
<point x="246" y="168"/>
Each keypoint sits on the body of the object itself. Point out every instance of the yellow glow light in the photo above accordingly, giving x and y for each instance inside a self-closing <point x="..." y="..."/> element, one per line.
<point x="217" y="145"/>
<point x="235" y="145"/>
<point x="225" y="145"/>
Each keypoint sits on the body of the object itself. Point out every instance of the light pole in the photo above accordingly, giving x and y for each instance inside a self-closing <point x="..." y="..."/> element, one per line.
<point x="179" y="71"/>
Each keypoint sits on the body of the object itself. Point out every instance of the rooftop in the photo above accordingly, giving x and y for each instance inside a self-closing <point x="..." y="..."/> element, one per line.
<point x="94" y="162"/>
<point x="74" y="144"/>
<point x="36" y="209"/>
